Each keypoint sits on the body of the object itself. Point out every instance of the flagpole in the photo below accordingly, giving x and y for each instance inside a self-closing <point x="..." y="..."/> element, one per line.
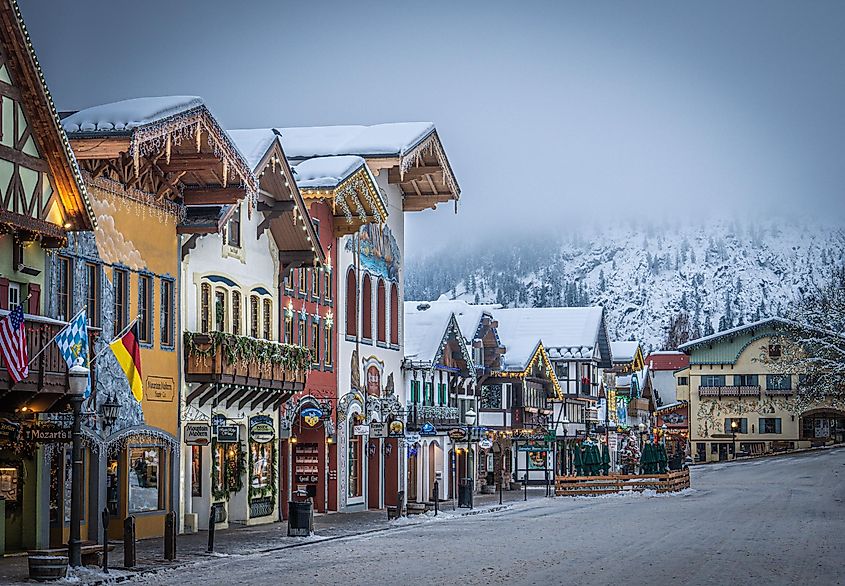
<point x="53" y="339"/>
<point x="117" y="337"/>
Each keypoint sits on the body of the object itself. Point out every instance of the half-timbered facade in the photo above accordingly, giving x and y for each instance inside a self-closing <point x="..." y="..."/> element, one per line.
<point x="43" y="198"/>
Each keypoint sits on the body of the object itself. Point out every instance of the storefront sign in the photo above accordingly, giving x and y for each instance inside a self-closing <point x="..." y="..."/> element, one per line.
<point x="396" y="428"/>
<point x="159" y="388"/>
<point x="378" y="429"/>
<point x="8" y="431"/>
<point x="485" y="444"/>
<point x="361" y="430"/>
<point x="674" y="418"/>
<point x="312" y="416"/>
<point x="217" y="420"/>
<point x="458" y="434"/>
<point x="50" y="433"/>
<point x="261" y="429"/>
<point x="197" y="433"/>
<point x="60" y="419"/>
<point x="428" y="429"/>
<point x="227" y="434"/>
<point x="412" y="438"/>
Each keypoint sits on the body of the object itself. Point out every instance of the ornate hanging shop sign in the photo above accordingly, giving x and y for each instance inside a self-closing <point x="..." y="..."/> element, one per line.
<point x="261" y="429"/>
<point x="396" y="428"/>
<point x="227" y="434"/>
<point x="197" y="433"/>
<point x="428" y="429"/>
<point x="378" y="429"/>
<point x="312" y="416"/>
<point x="485" y="444"/>
<point x="361" y="430"/>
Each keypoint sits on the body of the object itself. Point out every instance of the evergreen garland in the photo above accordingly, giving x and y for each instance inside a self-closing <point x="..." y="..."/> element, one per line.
<point x="269" y="490"/>
<point x="247" y="349"/>
<point x="233" y="473"/>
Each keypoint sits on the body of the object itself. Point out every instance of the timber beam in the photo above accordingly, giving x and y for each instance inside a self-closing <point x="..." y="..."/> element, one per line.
<point x="395" y="176"/>
<point x="208" y="196"/>
<point x="100" y="147"/>
<point x="198" y="162"/>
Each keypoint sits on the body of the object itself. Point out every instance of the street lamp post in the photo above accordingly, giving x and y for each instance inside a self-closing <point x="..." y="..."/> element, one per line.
<point x="77" y="383"/>
<point x="469" y="417"/>
<point x="565" y="422"/>
<point x="641" y="427"/>
<point x="734" y="428"/>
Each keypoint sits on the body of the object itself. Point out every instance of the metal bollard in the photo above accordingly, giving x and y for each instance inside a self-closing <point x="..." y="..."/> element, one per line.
<point x="211" y="524"/>
<point x="170" y="536"/>
<point x="105" y="518"/>
<point x="436" y="496"/>
<point x="525" y="485"/>
<point x="129" y="542"/>
<point x="501" y="489"/>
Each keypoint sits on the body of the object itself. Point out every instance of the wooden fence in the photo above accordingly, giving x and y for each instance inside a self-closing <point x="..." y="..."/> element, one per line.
<point x="595" y="485"/>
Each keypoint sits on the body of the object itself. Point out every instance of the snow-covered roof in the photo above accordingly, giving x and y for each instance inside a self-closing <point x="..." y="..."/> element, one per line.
<point x="326" y="172"/>
<point x="425" y="326"/>
<point x="566" y="332"/>
<point x="667" y="360"/>
<point x="121" y="117"/>
<point x="468" y="315"/>
<point x="379" y="140"/>
<point x="253" y="143"/>
<point x="774" y="321"/>
<point x="624" y="351"/>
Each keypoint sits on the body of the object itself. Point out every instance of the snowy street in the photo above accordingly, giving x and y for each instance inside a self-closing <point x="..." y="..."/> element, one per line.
<point x="769" y="521"/>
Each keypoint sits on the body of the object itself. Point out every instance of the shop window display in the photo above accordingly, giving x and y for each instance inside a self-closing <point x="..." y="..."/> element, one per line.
<point x="145" y="468"/>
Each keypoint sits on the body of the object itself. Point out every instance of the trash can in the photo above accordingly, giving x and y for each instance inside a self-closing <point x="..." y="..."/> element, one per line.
<point x="465" y="493"/>
<point x="300" y="515"/>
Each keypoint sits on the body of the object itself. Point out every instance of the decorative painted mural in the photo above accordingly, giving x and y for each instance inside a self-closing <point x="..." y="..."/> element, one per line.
<point x="380" y="254"/>
<point x="712" y="413"/>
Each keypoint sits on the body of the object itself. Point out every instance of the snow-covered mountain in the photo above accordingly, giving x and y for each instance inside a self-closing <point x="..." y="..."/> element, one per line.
<point x="721" y="273"/>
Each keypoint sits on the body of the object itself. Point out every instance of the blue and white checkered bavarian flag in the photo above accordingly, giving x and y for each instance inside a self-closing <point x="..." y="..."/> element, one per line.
<point x="73" y="344"/>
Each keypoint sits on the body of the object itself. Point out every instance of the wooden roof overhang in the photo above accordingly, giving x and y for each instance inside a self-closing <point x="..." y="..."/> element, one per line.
<point x="31" y="94"/>
<point x="422" y="172"/>
<point x="285" y="212"/>
<point x="184" y="162"/>
<point x="355" y="201"/>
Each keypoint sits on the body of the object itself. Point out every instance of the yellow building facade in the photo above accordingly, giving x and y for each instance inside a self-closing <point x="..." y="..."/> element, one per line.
<point x="740" y="406"/>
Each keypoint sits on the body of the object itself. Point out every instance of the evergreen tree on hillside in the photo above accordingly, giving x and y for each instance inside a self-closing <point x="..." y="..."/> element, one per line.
<point x="708" y="326"/>
<point x="678" y="331"/>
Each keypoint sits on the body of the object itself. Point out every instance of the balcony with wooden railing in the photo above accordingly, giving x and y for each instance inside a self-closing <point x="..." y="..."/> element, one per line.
<point x="244" y="362"/>
<point x="47" y="383"/>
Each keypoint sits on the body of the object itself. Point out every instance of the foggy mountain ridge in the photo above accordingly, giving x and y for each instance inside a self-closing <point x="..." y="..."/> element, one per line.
<point x="720" y="272"/>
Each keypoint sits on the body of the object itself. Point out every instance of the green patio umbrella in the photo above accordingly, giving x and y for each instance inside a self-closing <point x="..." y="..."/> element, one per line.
<point x="577" y="460"/>
<point x="605" y="460"/>
<point x="645" y="459"/>
<point x="662" y="458"/>
<point x="595" y="460"/>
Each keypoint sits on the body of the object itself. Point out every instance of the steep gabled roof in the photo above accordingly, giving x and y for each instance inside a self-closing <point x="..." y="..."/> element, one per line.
<point x="667" y="360"/>
<point x="426" y="330"/>
<point x="263" y="151"/>
<point x="566" y="332"/>
<point x="776" y="322"/>
<point x="410" y="152"/>
<point x="37" y="105"/>
<point x="624" y="351"/>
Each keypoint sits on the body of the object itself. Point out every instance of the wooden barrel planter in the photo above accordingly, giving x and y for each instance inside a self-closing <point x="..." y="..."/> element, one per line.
<point x="47" y="567"/>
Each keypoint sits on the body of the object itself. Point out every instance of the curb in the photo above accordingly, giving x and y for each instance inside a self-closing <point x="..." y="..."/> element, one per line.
<point x="204" y="557"/>
<point x="771" y="455"/>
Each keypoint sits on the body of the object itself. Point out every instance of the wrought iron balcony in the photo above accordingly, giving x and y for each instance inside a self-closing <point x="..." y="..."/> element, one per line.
<point x="437" y="415"/>
<point x="780" y="392"/>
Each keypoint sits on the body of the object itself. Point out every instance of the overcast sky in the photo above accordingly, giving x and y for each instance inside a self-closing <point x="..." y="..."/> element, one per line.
<point x="551" y="112"/>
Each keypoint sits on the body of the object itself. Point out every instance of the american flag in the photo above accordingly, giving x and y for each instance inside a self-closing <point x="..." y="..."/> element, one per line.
<point x="13" y="344"/>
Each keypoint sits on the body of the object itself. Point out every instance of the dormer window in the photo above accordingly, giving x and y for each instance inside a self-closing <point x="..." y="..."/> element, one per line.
<point x="233" y="229"/>
<point x="774" y="351"/>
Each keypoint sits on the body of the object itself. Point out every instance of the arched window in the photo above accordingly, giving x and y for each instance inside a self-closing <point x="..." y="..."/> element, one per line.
<point x="381" y="307"/>
<point x="394" y="314"/>
<point x="236" y="313"/>
<point x="351" y="304"/>
<point x="367" y="308"/>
